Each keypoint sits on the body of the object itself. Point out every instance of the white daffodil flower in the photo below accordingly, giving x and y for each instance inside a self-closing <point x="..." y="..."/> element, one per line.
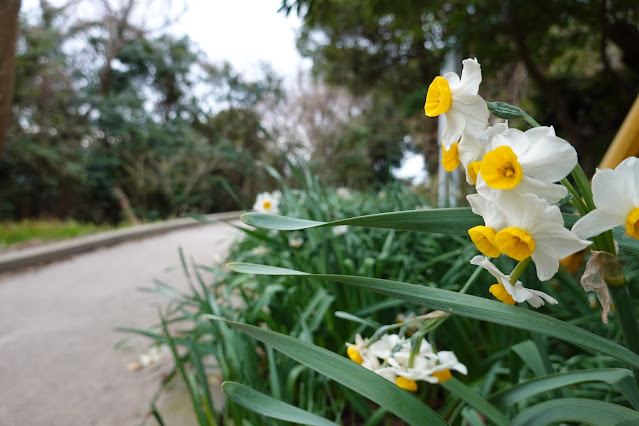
<point x="422" y="369"/>
<point x="616" y="196"/>
<point x="447" y="360"/>
<point x="534" y="228"/>
<point x="484" y="236"/>
<point x="472" y="149"/>
<point x="362" y="355"/>
<point x="526" y="162"/>
<point x="267" y="202"/>
<point x="386" y="345"/>
<point x="459" y="101"/>
<point x="431" y="368"/>
<point x="469" y="151"/>
<point x="506" y="292"/>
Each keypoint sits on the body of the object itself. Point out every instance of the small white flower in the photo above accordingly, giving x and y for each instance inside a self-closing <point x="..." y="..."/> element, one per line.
<point x="295" y="241"/>
<point x="616" y="196"/>
<point x="154" y="354"/>
<point x="459" y="101"/>
<point x="267" y="202"/>
<point x="536" y="229"/>
<point x="526" y="162"/>
<point x="518" y="293"/>
<point x="344" y="193"/>
<point x="259" y="251"/>
<point x="340" y="230"/>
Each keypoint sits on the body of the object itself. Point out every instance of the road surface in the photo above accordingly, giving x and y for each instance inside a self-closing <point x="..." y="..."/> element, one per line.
<point x="58" y="362"/>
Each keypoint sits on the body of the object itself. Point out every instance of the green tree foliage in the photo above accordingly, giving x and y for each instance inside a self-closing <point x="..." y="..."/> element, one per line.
<point x="107" y="116"/>
<point x="580" y="56"/>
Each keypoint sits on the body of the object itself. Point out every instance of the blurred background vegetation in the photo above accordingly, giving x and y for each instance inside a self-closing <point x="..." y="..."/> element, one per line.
<point x="112" y="121"/>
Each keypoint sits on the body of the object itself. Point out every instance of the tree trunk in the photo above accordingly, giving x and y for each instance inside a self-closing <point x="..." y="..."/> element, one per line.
<point x="8" y="33"/>
<point x="125" y="205"/>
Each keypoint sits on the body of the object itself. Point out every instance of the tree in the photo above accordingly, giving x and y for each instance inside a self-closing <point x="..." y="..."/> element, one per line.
<point x="8" y="35"/>
<point x="580" y="58"/>
<point x="111" y="120"/>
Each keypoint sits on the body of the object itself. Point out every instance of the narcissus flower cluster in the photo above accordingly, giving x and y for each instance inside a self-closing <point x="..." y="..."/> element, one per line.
<point x="392" y="357"/>
<point x="516" y="175"/>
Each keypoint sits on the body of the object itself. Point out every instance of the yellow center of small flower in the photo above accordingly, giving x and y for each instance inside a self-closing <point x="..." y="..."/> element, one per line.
<point x="499" y="291"/>
<point x="450" y="158"/>
<point x="515" y="242"/>
<point x="484" y="239"/>
<point x="632" y="223"/>
<point x="473" y="170"/>
<point x="500" y="168"/>
<point x="354" y="355"/>
<point x="407" y="384"/>
<point x="267" y="205"/>
<point x="442" y="376"/>
<point x="438" y="98"/>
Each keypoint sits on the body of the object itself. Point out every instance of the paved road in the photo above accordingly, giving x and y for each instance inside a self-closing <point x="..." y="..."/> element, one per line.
<point x="58" y="364"/>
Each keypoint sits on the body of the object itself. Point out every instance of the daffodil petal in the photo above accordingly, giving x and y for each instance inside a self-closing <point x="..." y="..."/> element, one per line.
<point x="513" y="138"/>
<point x="470" y="77"/>
<point x="474" y="110"/>
<point x="611" y="191"/>
<point x="551" y="192"/>
<point x="455" y="123"/>
<point x="562" y="242"/>
<point x="548" y="158"/>
<point x="546" y="263"/>
<point x="544" y="296"/>
<point x="598" y="221"/>
<point x="629" y="168"/>
<point x="453" y="80"/>
<point x="486" y="209"/>
<point x="468" y="149"/>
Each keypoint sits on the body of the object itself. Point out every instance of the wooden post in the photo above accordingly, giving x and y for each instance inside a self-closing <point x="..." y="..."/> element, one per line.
<point x="626" y="141"/>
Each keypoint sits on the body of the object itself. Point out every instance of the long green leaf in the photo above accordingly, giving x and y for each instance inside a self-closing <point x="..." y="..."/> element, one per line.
<point x="452" y="221"/>
<point x="528" y="352"/>
<point x="469" y="306"/>
<point x="620" y="378"/>
<point x="589" y="411"/>
<point x="271" y="407"/>
<point x="474" y="399"/>
<point x="342" y="370"/>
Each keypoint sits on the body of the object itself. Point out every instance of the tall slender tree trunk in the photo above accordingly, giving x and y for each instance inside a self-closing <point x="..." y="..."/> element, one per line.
<point x="8" y="33"/>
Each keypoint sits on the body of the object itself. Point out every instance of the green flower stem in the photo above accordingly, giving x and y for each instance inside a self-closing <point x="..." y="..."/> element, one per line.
<point x="529" y="119"/>
<point x="416" y="339"/>
<point x="471" y="280"/>
<point x="576" y="198"/>
<point x="519" y="269"/>
<point x="583" y="183"/>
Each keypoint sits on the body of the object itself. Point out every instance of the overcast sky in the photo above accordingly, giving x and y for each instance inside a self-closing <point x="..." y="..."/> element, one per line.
<point x="242" y="32"/>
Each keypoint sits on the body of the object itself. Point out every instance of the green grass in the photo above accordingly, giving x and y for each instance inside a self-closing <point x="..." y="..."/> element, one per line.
<point x="35" y="231"/>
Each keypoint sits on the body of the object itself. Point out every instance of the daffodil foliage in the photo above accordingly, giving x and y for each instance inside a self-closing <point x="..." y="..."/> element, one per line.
<point x="521" y="208"/>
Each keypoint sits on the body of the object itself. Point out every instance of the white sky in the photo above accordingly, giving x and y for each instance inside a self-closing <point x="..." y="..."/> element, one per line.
<point x="242" y="32"/>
